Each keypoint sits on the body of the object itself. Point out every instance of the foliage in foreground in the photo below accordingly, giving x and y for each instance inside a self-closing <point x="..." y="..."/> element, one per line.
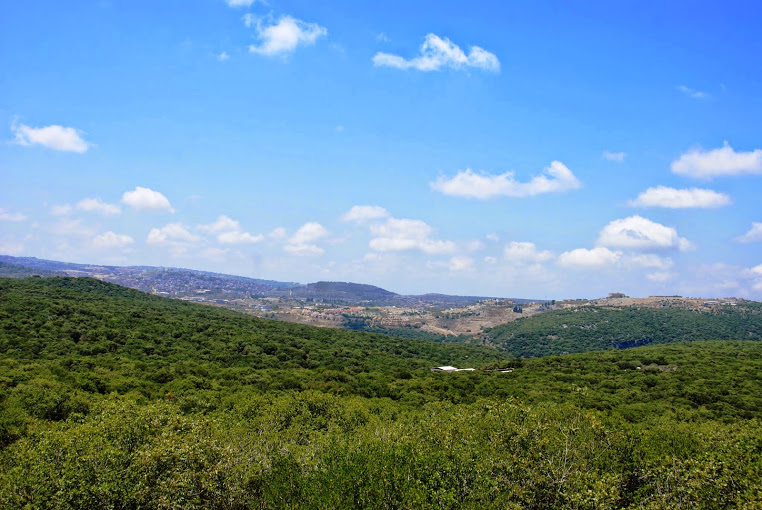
<point x="312" y="450"/>
<point x="194" y="407"/>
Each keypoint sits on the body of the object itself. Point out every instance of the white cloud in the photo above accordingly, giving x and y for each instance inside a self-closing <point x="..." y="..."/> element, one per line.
<point x="455" y="264"/>
<point x="525" y="252"/>
<point x="302" y="243"/>
<point x="70" y="227"/>
<point x="754" y="235"/>
<point x="304" y="250"/>
<point x="145" y="199"/>
<point x="460" y="264"/>
<point x="360" y="213"/>
<point x="614" y="156"/>
<point x="640" y="234"/>
<point x="223" y="224"/>
<point x="111" y="240"/>
<point x="9" y="216"/>
<point x="469" y="184"/>
<point x="404" y="234"/>
<point x="703" y="164"/>
<point x="756" y="270"/>
<point x="584" y="258"/>
<point x="493" y="237"/>
<point x="229" y="231"/>
<point x="490" y="260"/>
<point x="240" y="3"/>
<point x="436" y="53"/>
<point x="659" y="277"/>
<point x="54" y="137"/>
<point x="171" y="234"/>
<point x="61" y="210"/>
<point x="223" y="56"/>
<point x="284" y="36"/>
<point x="239" y="238"/>
<point x="11" y="248"/>
<point x="693" y="93"/>
<point x="216" y="254"/>
<point x="98" y="206"/>
<point x="308" y="233"/>
<point x="277" y="233"/>
<point x="662" y="196"/>
<point x="649" y="260"/>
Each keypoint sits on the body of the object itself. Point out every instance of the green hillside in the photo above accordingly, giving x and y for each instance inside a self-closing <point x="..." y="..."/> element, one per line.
<point x="592" y="328"/>
<point x="110" y="398"/>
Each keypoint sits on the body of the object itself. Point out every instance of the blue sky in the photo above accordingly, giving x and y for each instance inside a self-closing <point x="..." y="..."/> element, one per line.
<point x="535" y="149"/>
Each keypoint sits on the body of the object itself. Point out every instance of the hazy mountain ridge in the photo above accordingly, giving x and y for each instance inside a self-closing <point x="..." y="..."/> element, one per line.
<point x="179" y="282"/>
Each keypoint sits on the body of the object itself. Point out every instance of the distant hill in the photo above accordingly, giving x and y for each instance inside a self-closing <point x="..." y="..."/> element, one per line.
<point x="172" y="282"/>
<point x="593" y="328"/>
<point x="46" y="317"/>
<point x="343" y="291"/>
<point x="9" y="270"/>
<point x="176" y="282"/>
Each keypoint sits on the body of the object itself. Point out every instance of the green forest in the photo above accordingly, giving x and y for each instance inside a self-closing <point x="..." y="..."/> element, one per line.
<point x="594" y="328"/>
<point x="112" y="398"/>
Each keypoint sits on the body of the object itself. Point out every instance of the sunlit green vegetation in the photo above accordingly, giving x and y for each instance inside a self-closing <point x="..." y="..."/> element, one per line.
<point x="110" y="398"/>
<point x="591" y="328"/>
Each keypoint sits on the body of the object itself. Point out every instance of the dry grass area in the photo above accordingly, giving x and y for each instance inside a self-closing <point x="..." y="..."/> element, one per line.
<point x="444" y="321"/>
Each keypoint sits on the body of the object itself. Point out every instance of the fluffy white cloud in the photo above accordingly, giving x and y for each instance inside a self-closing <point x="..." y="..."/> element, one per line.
<point x="11" y="248"/>
<point x="277" y="233"/>
<point x="240" y="3"/>
<point x="525" y="252"/>
<point x="460" y="263"/>
<point x="215" y="254"/>
<point x="9" y="216"/>
<point x="662" y="196"/>
<point x="693" y="93"/>
<point x="718" y="162"/>
<point x="754" y="235"/>
<point x="304" y="250"/>
<point x="469" y="184"/>
<point x="111" y="240"/>
<point x="360" y="213"/>
<point x="649" y="260"/>
<point x="229" y="231"/>
<point x="171" y="234"/>
<point x="237" y="237"/>
<point x="438" y="52"/>
<point x="660" y="276"/>
<point x="70" y="227"/>
<point x="283" y="36"/>
<point x="490" y="260"/>
<point x="222" y="224"/>
<point x="98" y="206"/>
<point x="584" y="258"/>
<point x="302" y="243"/>
<point x="640" y="234"/>
<point x="223" y="56"/>
<point x="405" y="234"/>
<point x="146" y="199"/>
<point x="614" y="156"/>
<point x="54" y="137"/>
<point x="308" y="233"/>
<point x="61" y="210"/>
